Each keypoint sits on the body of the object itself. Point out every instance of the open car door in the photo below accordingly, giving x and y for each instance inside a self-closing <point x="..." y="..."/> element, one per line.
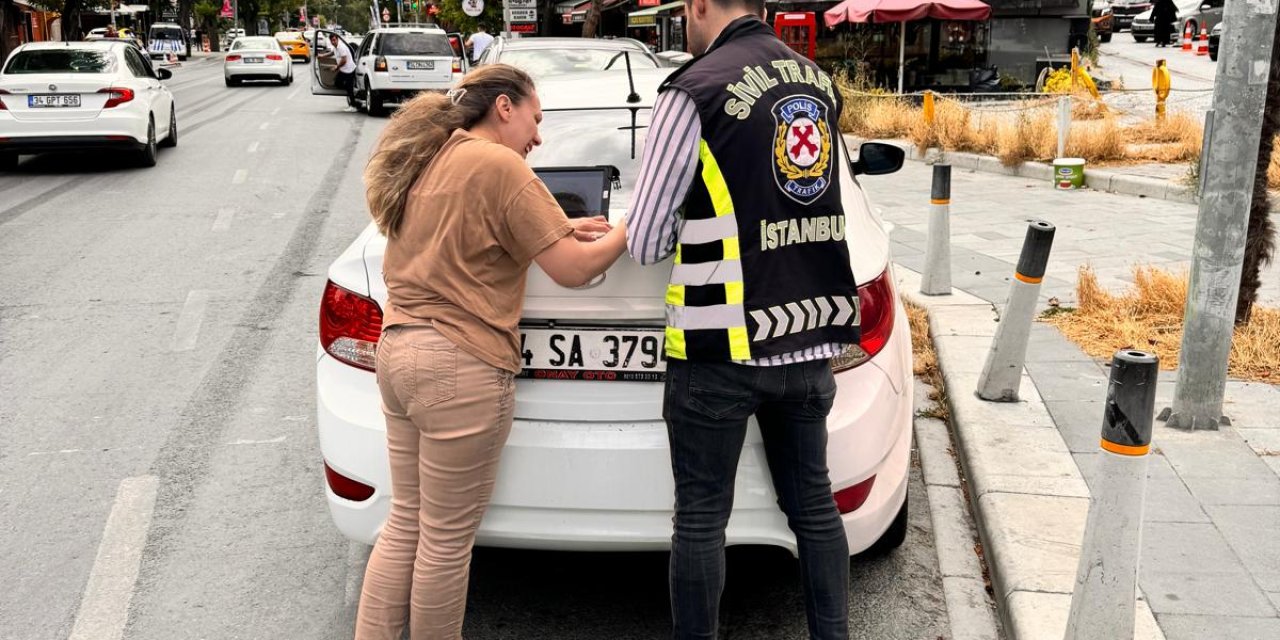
<point x="461" y="63"/>
<point x="324" y="65"/>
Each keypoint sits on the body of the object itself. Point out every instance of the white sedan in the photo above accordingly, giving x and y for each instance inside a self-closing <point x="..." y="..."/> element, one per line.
<point x="587" y="464"/>
<point x="257" y="58"/>
<point x="74" y="96"/>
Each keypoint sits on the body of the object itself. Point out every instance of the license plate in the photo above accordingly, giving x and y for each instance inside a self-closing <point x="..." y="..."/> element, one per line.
<point x="72" y="100"/>
<point x="604" y="353"/>
<point x="253" y="60"/>
<point x="422" y="64"/>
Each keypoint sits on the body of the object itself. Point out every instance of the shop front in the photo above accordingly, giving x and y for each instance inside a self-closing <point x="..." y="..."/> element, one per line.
<point x="661" y="26"/>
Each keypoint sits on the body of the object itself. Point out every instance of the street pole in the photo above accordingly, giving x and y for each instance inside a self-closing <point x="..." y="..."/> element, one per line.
<point x="235" y="14"/>
<point x="1239" y="97"/>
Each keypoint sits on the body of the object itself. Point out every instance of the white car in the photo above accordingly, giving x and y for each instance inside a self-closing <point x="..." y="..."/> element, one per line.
<point x="257" y="58"/>
<point x="73" y="96"/>
<point x="587" y="466"/>
<point x="393" y="64"/>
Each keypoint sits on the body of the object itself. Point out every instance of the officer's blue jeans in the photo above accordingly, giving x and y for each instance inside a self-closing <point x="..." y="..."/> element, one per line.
<point x="706" y="408"/>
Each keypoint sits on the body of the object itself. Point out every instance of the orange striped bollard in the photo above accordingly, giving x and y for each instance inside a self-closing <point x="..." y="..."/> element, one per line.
<point x="1002" y="374"/>
<point x="1102" y="603"/>
<point x="936" y="278"/>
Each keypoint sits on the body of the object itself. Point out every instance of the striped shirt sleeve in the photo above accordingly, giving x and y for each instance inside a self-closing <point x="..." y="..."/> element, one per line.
<point x="670" y="165"/>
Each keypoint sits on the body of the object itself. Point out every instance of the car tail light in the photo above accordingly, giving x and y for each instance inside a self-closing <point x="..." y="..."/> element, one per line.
<point x="235" y="57"/>
<point x="457" y="65"/>
<point x="116" y="96"/>
<point x="350" y="325"/>
<point x="345" y="487"/>
<point x="274" y="56"/>
<point x="380" y="64"/>
<point x="876" y="304"/>
<point x="851" y="499"/>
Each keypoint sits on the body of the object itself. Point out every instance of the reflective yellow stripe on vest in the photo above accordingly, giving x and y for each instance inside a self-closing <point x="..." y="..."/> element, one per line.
<point x="730" y="316"/>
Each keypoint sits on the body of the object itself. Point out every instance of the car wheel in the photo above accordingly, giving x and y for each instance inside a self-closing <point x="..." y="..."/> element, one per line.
<point x="374" y="103"/>
<point x="147" y="156"/>
<point x="232" y="82"/>
<point x="1213" y="55"/>
<point x="893" y="537"/>
<point x="1139" y="39"/>
<point x="171" y="140"/>
<point x="8" y="161"/>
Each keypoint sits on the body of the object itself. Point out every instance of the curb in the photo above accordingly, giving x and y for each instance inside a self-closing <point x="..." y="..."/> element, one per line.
<point x="1027" y="494"/>
<point x="1097" y="179"/>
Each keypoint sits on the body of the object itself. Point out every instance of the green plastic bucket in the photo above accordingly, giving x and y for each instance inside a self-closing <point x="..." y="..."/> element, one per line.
<point x="1068" y="173"/>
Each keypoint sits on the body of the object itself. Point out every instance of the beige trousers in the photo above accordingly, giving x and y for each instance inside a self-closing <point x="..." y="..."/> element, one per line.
<point x="448" y="416"/>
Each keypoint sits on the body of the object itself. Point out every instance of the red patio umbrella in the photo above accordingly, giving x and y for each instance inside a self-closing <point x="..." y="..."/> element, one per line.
<point x="904" y="11"/>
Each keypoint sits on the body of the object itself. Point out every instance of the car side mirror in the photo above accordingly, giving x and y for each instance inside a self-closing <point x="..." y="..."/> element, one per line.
<point x="164" y="74"/>
<point x="878" y="159"/>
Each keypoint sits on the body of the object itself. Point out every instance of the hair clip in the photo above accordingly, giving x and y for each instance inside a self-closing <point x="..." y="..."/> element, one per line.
<point x="455" y="95"/>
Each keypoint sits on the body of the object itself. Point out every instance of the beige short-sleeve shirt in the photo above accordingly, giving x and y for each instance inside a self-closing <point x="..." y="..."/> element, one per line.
<point x="472" y="224"/>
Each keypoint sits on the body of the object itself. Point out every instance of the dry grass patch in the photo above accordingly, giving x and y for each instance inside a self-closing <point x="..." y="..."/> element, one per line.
<point x="1148" y="317"/>
<point x="925" y="361"/>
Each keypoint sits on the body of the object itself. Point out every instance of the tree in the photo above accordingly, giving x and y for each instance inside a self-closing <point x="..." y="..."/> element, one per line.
<point x="1260" y="239"/>
<point x="452" y="17"/>
<point x="207" y="12"/>
<point x="592" y="23"/>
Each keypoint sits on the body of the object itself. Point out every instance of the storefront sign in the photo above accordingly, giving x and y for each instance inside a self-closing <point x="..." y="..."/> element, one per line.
<point x="642" y="21"/>
<point x="649" y="3"/>
<point x="522" y="15"/>
<point x="473" y="8"/>
<point x="521" y="4"/>
<point x="527" y="27"/>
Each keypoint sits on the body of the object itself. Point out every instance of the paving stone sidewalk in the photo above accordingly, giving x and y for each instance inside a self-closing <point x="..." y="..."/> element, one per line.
<point x="1210" y="565"/>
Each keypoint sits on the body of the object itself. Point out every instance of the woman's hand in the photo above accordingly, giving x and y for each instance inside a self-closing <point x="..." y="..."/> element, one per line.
<point x="590" y="229"/>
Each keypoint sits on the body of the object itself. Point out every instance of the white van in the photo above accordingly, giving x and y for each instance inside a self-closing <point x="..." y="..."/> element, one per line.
<point x="165" y="38"/>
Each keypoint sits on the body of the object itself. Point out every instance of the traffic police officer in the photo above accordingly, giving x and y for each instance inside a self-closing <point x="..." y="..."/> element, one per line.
<point x="741" y="182"/>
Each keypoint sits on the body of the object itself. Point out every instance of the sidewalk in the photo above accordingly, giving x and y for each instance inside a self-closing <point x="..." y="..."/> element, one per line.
<point x="1210" y="565"/>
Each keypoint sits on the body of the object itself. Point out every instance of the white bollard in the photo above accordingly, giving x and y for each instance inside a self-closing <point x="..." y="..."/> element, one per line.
<point x="1064" y="124"/>
<point x="936" y="279"/>
<point x="1102" y="605"/>
<point x="1002" y="373"/>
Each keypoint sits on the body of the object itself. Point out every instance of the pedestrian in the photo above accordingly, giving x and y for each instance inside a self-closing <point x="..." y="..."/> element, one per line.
<point x="346" y="66"/>
<point x="479" y="41"/>
<point x="740" y="185"/>
<point x="1163" y="17"/>
<point x="464" y="217"/>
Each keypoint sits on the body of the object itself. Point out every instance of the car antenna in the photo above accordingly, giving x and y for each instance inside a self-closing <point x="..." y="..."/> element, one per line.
<point x="633" y="97"/>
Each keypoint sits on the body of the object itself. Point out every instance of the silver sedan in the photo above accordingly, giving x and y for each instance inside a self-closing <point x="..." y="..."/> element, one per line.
<point x="257" y="58"/>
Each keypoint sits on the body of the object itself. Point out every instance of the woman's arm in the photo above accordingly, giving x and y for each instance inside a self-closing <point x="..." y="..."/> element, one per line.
<point x="573" y="263"/>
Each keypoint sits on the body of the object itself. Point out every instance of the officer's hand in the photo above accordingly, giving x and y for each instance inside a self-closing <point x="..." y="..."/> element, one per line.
<point x="590" y="229"/>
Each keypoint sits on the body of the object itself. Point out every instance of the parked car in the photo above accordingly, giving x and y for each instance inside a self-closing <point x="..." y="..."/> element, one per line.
<point x="1215" y="39"/>
<point x="1103" y="20"/>
<point x="586" y="466"/>
<point x="1196" y="14"/>
<point x="123" y="33"/>
<point x="75" y="96"/>
<point x="1125" y="10"/>
<point x="257" y="58"/>
<point x="295" y="44"/>
<point x="544" y="57"/>
<point x="393" y="64"/>
<point x="165" y="38"/>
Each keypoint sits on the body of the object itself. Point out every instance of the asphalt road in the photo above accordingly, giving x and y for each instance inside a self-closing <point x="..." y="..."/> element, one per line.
<point x="159" y="472"/>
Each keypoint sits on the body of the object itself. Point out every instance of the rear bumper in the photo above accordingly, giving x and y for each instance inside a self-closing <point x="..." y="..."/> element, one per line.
<point x="607" y="486"/>
<point x="49" y="144"/>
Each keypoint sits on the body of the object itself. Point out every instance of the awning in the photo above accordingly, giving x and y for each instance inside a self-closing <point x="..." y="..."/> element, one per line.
<point x="881" y="11"/>
<point x="649" y="17"/>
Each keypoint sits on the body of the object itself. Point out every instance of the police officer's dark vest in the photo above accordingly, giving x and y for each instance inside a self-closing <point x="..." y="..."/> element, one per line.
<point x="761" y="266"/>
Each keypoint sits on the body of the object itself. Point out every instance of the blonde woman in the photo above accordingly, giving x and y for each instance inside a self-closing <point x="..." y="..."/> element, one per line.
<point x="464" y="217"/>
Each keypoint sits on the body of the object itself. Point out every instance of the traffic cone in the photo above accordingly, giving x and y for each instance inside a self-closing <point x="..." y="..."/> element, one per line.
<point x="1186" y="37"/>
<point x="1203" y="49"/>
<point x="171" y="58"/>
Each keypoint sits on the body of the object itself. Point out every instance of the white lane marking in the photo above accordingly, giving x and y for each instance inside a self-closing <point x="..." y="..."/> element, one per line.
<point x="104" y="608"/>
<point x="240" y="177"/>
<point x="253" y="148"/>
<point x="357" y="558"/>
<point x="189" y="321"/>
<point x="279" y="214"/>
<point x="275" y="111"/>
<point x="70" y="451"/>
<point x="263" y="126"/>
<point x="271" y="441"/>
<point x="223" y="221"/>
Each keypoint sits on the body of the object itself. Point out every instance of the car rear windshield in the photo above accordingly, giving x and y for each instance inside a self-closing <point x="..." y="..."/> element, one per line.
<point x="414" y="44"/>
<point x="550" y="62"/>
<point x="61" y="61"/>
<point x="166" y="33"/>
<point x="255" y="43"/>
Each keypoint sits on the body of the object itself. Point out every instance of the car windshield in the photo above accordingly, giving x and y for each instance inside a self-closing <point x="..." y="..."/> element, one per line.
<point x="415" y="44"/>
<point x="592" y="138"/>
<point x="61" y="61"/>
<point x="550" y="62"/>
<point x="255" y="43"/>
<point x="168" y="33"/>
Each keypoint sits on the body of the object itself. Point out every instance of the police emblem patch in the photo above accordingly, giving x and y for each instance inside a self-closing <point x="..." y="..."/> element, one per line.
<point x="802" y="148"/>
